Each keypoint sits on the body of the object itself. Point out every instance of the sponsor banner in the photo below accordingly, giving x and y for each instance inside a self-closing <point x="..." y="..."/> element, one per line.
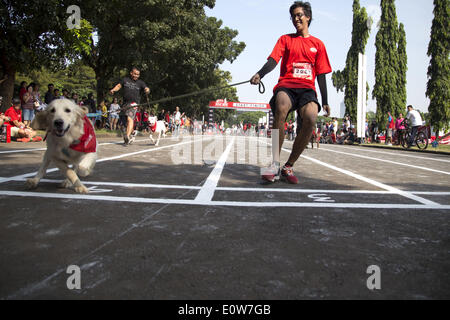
<point x="241" y="106"/>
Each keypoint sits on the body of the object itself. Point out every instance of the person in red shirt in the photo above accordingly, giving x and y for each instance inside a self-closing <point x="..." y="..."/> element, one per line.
<point x="18" y="128"/>
<point x="304" y="58"/>
<point x="390" y="129"/>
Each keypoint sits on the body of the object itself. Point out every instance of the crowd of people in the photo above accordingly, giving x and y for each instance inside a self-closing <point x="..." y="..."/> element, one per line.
<point x="113" y="116"/>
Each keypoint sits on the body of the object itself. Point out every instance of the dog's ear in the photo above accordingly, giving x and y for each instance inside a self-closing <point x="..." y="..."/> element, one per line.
<point x="40" y="121"/>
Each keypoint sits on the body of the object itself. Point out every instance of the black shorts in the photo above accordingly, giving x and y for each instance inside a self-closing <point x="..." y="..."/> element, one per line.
<point x="299" y="98"/>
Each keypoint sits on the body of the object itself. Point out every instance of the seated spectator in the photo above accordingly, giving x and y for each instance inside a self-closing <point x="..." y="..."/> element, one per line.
<point x="348" y="138"/>
<point x="19" y="130"/>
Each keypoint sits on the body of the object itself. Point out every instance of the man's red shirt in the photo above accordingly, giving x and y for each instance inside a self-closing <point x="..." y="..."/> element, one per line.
<point x="14" y="115"/>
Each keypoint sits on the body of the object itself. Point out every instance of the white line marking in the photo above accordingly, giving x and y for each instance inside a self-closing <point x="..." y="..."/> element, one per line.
<point x="207" y="191"/>
<point x="400" y="153"/>
<point x="27" y="175"/>
<point x="430" y="193"/>
<point x="224" y="203"/>
<point x="42" y="149"/>
<point x="386" y="161"/>
<point x="370" y="181"/>
<point x="124" y="185"/>
<point x="237" y="189"/>
<point x="301" y="190"/>
<point x="42" y="284"/>
<point x="23" y="150"/>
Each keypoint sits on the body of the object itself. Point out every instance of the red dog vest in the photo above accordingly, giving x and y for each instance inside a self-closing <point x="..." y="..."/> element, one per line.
<point x="87" y="142"/>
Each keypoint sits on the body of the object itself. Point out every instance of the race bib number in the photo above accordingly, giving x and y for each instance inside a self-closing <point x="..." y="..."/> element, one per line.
<point x="302" y="71"/>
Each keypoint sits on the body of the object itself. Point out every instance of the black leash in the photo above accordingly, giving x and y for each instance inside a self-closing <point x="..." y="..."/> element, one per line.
<point x="261" y="89"/>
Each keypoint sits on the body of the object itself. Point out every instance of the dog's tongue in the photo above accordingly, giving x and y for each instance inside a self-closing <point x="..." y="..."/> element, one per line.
<point x="60" y="131"/>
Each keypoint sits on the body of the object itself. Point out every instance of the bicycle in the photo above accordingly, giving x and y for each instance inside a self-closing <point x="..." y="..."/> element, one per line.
<point x="421" y="139"/>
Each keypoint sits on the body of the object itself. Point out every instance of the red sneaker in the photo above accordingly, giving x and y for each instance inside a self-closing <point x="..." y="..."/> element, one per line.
<point x="288" y="174"/>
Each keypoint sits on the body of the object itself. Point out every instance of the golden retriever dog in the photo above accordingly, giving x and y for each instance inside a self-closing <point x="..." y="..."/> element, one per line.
<point x="70" y="141"/>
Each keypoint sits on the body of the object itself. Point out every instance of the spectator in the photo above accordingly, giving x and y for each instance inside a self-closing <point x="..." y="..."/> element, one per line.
<point x="373" y="131"/>
<point x="19" y="130"/>
<point x="90" y="103"/>
<point x="177" y="118"/>
<point x="65" y="94"/>
<point x="37" y="96"/>
<point x="114" y="109"/>
<point x="161" y="115"/>
<point x="98" y="117"/>
<point x="399" y="128"/>
<point x="56" y="94"/>
<point x="50" y="95"/>
<point x="346" y="124"/>
<point x="104" y="110"/>
<point x="390" y="127"/>
<point x="28" y="106"/>
<point x="290" y="130"/>
<point x="22" y="91"/>
<point x="335" y="128"/>
<point x="75" y="98"/>
<point x="415" y="120"/>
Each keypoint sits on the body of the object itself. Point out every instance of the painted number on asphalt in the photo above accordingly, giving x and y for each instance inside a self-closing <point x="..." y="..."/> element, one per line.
<point x="320" y="198"/>
<point x="95" y="190"/>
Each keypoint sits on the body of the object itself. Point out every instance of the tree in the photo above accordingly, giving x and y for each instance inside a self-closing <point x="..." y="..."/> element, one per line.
<point x="390" y="65"/>
<point x="402" y="68"/>
<point x="176" y="46"/>
<point x="32" y="35"/>
<point x="347" y="79"/>
<point x="438" y="87"/>
<point x="76" y="77"/>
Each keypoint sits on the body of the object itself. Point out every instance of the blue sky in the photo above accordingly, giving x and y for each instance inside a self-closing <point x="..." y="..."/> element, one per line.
<point x="261" y="22"/>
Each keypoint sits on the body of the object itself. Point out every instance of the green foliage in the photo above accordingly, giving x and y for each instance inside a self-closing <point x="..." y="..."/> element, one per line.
<point x="390" y="65"/>
<point x="438" y="87"/>
<point x="76" y="77"/>
<point x="33" y="34"/>
<point x="176" y="46"/>
<point x="250" y="117"/>
<point x="347" y="79"/>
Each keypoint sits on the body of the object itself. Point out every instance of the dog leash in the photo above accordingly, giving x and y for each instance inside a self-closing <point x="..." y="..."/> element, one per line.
<point x="261" y="89"/>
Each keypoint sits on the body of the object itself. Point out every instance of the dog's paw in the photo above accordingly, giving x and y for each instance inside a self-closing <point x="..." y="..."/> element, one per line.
<point x="66" y="184"/>
<point x="81" y="189"/>
<point x="31" y="183"/>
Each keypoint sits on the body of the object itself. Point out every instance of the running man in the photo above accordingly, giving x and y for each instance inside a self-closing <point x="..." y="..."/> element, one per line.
<point x="304" y="58"/>
<point x="132" y="88"/>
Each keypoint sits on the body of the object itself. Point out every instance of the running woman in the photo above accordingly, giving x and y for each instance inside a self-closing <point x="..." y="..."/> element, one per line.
<point x="304" y="58"/>
<point x="132" y="88"/>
